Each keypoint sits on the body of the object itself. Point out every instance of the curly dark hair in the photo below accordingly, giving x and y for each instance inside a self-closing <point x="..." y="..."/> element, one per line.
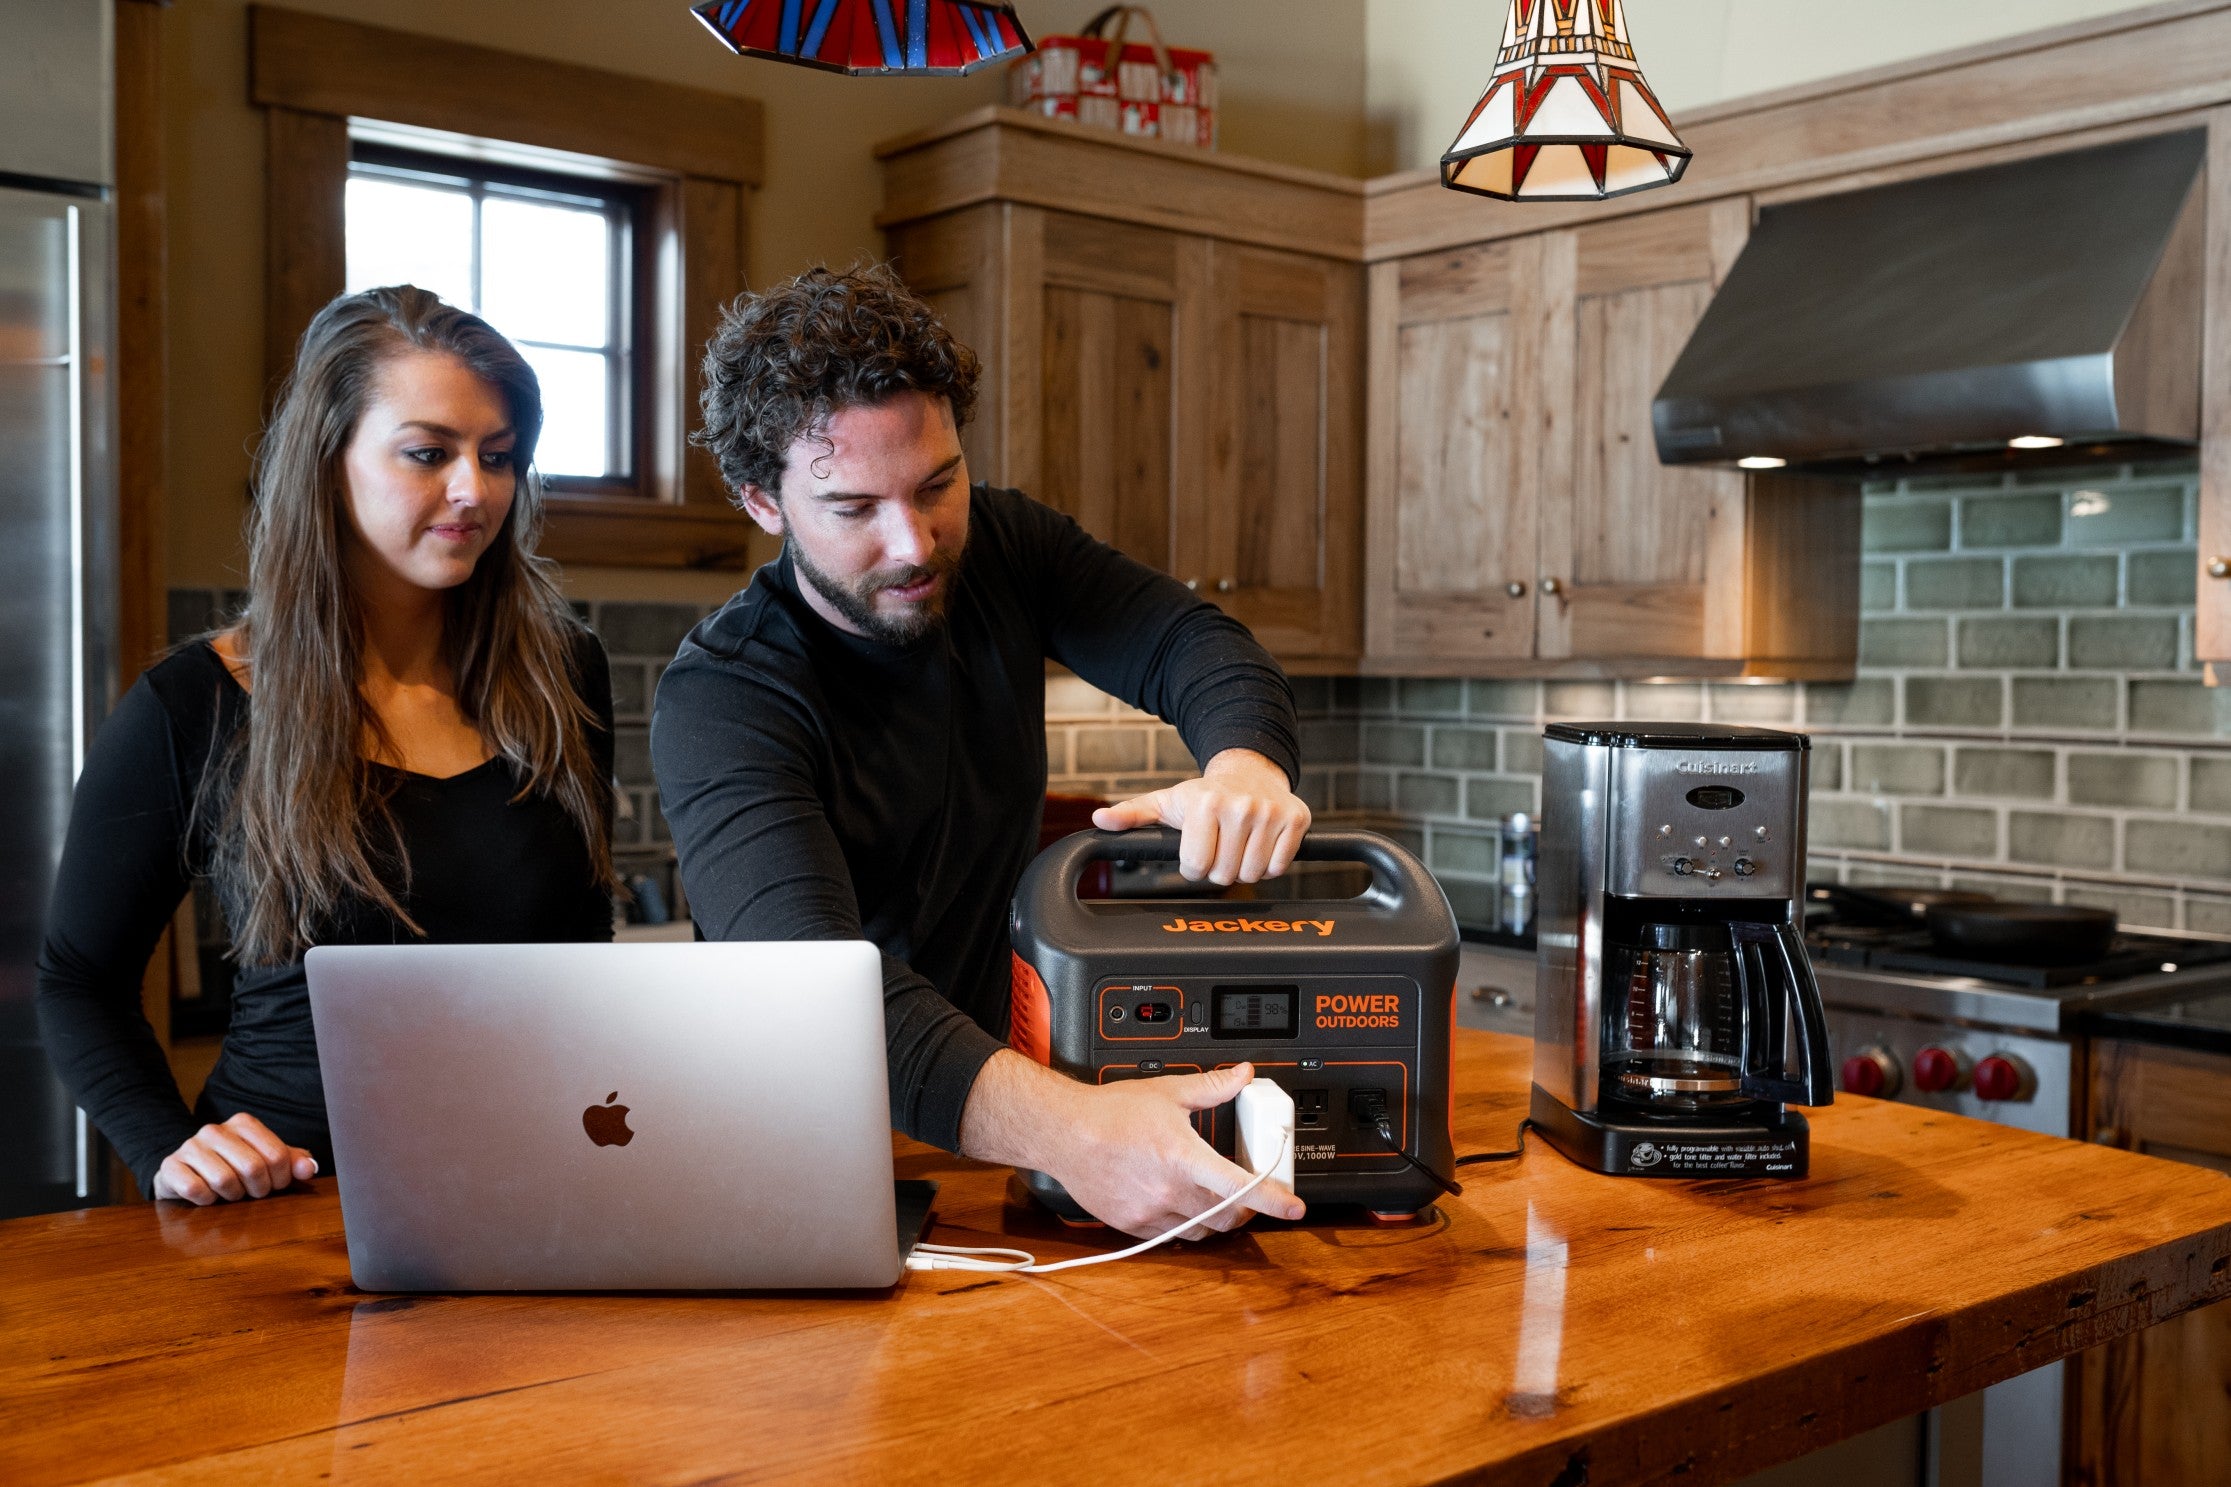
<point x="786" y="359"/>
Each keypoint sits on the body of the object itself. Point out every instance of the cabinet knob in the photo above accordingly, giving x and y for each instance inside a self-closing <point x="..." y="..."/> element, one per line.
<point x="1225" y="585"/>
<point x="1552" y="586"/>
<point x="1193" y="584"/>
<point x="2219" y="567"/>
<point x="1515" y="589"/>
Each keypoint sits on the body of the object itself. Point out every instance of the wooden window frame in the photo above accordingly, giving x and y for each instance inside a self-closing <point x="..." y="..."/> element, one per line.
<point x="633" y="386"/>
<point x="692" y="155"/>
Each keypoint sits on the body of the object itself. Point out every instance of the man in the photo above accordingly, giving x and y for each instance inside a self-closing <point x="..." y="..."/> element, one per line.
<point x="855" y="744"/>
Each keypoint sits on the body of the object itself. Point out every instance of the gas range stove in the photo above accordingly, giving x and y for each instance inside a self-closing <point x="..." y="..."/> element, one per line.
<point x="1901" y="970"/>
<point x="1997" y="1041"/>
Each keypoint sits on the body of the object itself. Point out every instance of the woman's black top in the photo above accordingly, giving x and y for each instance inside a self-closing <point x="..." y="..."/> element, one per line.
<point x="486" y="866"/>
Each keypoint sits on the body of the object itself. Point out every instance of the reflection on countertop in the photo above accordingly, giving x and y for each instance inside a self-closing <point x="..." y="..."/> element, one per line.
<point x="1495" y="987"/>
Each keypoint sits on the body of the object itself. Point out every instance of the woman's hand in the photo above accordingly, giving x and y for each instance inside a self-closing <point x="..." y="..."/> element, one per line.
<point x="239" y="1159"/>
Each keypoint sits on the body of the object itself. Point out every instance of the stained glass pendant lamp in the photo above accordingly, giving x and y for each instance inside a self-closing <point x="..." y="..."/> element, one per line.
<point x="1566" y="115"/>
<point x="890" y="38"/>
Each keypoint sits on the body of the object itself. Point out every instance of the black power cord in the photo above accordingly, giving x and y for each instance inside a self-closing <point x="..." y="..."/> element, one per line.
<point x="1502" y="1156"/>
<point x="1370" y="1107"/>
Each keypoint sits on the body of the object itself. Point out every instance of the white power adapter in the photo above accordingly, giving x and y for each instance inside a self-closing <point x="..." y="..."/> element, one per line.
<point x="1265" y="1149"/>
<point x="1266" y="1130"/>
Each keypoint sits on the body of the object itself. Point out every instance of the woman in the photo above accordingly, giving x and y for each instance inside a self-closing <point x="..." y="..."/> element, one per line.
<point x="408" y="736"/>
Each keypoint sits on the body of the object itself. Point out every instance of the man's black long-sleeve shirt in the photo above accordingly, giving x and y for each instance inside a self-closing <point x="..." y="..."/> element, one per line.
<point x="821" y="785"/>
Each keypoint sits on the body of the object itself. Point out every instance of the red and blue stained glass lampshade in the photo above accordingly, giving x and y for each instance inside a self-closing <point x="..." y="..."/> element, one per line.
<point x="902" y="38"/>
<point x="1566" y="115"/>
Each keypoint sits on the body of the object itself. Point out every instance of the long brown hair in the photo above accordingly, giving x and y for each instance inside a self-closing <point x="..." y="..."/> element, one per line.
<point x="304" y="820"/>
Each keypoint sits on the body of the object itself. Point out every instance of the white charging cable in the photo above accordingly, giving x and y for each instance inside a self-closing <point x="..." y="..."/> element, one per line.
<point x="1000" y="1261"/>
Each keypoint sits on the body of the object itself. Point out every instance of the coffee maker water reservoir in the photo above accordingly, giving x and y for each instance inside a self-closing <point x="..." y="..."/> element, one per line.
<point x="1676" y="1015"/>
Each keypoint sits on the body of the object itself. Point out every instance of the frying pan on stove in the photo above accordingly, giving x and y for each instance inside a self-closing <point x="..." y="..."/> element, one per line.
<point x="2022" y="934"/>
<point x="1891" y="905"/>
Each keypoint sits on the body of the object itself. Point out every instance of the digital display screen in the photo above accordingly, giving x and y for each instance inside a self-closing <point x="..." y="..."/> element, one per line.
<point x="1254" y="1011"/>
<point x="1715" y="797"/>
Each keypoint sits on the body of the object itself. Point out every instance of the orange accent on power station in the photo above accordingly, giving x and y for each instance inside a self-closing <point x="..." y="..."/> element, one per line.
<point x="1030" y="1013"/>
<point x="1448" y="1067"/>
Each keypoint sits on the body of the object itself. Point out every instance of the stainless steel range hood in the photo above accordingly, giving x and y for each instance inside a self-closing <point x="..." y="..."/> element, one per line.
<point x="2056" y="297"/>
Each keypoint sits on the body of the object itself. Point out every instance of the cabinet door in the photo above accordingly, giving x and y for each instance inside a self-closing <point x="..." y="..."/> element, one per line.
<point x="953" y="262"/>
<point x="2155" y="1407"/>
<point x="1628" y="561"/>
<point x="1284" y="541"/>
<point x="1455" y="412"/>
<point x="1117" y="401"/>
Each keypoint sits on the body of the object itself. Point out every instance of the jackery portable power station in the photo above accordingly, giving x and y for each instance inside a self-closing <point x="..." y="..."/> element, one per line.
<point x="1348" y="1003"/>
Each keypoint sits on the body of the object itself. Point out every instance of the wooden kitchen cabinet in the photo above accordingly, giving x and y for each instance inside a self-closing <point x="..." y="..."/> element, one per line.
<point x="2154" y="1408"/>
<point x="1187" y="388"/>
<point x="1519" y="520"/>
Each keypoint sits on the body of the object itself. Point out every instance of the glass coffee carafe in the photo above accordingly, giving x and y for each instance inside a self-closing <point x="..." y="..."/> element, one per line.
<point x="1701" y="1014"/>
<point x="1674" y="1002"/>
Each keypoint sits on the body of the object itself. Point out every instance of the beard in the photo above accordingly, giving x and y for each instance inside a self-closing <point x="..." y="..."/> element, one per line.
<point x="909" y="623"/>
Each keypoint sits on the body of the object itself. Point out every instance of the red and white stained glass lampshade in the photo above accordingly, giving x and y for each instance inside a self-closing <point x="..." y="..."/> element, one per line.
<point x="1566" y="115"/>
<point x="889" y="38"/>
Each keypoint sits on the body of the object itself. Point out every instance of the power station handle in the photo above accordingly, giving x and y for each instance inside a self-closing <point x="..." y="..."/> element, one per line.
<point x="1397" y="878"/>
<point x="1766" y="1000"/>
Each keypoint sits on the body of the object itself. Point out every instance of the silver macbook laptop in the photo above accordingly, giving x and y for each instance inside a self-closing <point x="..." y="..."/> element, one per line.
<point x="611" y="1117"/>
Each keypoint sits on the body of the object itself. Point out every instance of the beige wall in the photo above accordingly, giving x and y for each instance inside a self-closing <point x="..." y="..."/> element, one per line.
<point x="1293" y="88"/>
<point x="1429" y="59"/>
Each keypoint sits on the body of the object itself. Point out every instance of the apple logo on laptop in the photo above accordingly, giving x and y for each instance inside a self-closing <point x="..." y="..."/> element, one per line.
<point x="607" y="1123"/>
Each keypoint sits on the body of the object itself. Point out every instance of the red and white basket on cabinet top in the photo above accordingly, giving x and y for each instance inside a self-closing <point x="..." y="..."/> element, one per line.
<point x="1101" y="77"/>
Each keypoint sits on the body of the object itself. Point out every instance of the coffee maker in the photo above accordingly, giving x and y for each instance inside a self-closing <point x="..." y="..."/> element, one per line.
<point x="1676" y="1018"/>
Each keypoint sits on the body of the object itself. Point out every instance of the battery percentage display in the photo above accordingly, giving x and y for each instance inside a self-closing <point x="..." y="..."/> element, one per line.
<point x="1254" y="1011"/>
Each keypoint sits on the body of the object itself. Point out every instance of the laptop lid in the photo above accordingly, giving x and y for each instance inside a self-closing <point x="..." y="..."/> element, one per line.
<point x="609" y="1117"/>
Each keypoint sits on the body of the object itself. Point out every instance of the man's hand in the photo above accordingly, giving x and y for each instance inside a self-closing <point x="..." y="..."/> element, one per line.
<point x="1127" y="1152"/>
<point x="239" y="1159"/>
<point x="1240" y="822"/>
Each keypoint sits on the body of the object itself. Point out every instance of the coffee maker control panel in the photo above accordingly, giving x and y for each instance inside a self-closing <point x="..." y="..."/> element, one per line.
<point x="1706" y="823"/>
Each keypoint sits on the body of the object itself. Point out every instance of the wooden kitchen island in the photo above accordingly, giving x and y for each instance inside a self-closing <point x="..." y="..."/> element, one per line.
<point x="1550" y="1327"/>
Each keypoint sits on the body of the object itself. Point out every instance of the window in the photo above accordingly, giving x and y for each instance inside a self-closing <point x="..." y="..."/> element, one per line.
<point x="544" y="258"/>
<point x="442" y="160"/>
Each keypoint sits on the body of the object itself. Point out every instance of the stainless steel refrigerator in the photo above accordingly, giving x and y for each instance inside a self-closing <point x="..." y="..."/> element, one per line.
<point x="57" y="533"/>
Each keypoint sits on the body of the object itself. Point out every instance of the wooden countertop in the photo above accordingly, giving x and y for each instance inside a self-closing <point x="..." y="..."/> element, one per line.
<point x="1552" y="1326"/>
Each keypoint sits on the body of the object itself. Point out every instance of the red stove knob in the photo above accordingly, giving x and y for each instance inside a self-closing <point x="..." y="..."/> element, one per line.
<point x="2004" y="1076"/>
<point x="1938" y="1071"/>
<point x="1872" y="1072"/>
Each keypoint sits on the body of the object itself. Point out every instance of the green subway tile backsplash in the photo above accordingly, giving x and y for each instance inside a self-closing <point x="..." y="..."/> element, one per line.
<point x="1464" y="748"/>
<point x="2006" y="641"/>
<point x="1869" y="702"/>
<point x="1954" y="583"/>
<point x="1907" y="526"/>
<point x="1955" y="701"/>
<point x="2124" y="779"/>
<point x="2010" y="521"/>
<point x="2098" y="518"/>
<point x="1902" y="642"/>
<point x="1897" y="769"/>
<point x="2026" y="719"/>
<point x="2065" y="582"/>
<point x="2057" y="702"/>
<point x="1759" y="704"/>
<point x="2122" y="642"/>
<point x="2018" y="632"/>
<point x="2022" y="773"/>
<point x="2166" y="579"/>
<point x="1878" y="586"/>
